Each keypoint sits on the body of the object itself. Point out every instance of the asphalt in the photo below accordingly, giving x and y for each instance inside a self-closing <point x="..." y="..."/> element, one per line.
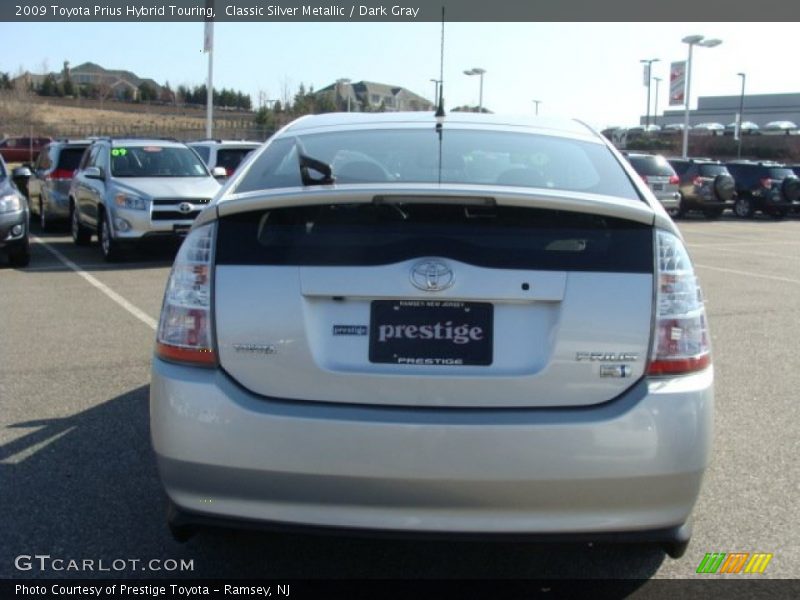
<point x="79" y="481"/>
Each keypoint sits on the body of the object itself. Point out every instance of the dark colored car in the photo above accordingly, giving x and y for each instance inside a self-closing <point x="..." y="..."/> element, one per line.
<point x="22" y="149"/>
<point x="14" y="216"/>
<point x="705" y="185"/>
<point x="769" y="187"/>
<point x="48" y="188"/>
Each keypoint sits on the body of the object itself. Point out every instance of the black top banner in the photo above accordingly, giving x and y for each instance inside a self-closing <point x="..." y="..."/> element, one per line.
<point x="397" y="10"/>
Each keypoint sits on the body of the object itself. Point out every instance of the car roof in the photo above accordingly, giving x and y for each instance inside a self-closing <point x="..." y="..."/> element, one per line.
<point x="224" y="143"/>
<point x="135" y="142"/>
<point x="551" y="125"/>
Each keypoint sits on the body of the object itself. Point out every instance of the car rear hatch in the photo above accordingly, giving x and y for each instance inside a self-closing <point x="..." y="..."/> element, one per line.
<point x="435" y="300"/>
<point x="68" y="160"/>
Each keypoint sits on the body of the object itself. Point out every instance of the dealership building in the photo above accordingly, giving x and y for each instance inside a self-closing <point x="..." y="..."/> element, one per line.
<point x="758" y="108"/>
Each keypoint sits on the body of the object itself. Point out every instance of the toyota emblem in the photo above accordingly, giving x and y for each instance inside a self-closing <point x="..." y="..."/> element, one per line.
<point x="431" y="275"/>
<point x="185" y="207"/>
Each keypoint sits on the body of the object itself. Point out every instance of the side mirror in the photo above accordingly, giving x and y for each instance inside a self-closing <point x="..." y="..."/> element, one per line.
<point x="23" y="172"/>
<point x="20" y="176"/>
<point x="219" y="172"/>
<point x="93" y="173"/>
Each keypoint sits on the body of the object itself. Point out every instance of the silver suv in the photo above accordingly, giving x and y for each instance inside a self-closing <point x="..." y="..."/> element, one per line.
<point x="128" y="190"/>
<point x="485" y="326"/>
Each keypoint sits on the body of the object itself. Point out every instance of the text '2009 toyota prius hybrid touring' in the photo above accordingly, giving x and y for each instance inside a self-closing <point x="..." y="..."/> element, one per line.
<point x="473" y="326"/>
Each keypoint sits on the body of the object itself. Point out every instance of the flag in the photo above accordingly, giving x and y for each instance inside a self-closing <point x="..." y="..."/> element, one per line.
<point x="677" y="83"/>
<point x="646" y="77"/>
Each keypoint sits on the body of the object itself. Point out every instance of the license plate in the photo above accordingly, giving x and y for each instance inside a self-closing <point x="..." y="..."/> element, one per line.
<point x="431" y="332"/>
<point x="658" y="187"/>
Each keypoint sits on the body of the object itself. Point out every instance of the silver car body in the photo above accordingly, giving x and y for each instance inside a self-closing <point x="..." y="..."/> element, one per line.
<point x="664" y="187"/>
<point x="48" y="188"/>
<point x="295" y="426"/>
<point x="169" y="204"/>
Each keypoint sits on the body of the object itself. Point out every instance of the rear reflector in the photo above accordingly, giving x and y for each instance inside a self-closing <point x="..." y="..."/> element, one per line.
<point x="681" y="342"/>
<point x="674" y="180"/>
<point x="61" y="174"/>
<point x="185" y="330"/>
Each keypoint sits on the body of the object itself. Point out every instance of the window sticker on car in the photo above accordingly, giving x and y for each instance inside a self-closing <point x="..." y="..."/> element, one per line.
<point x="119" y="152"/>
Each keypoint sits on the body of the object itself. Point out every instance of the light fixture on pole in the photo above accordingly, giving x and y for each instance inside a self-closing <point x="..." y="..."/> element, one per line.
<point x="436" y="83"/>
<point x="692" y="40"/>
<point x="537" y="103"/>
<point x="741" y="116"/>
<point x="480" y="72"/>
<point x="655" y="110"/>
<point x="649" y="65"/>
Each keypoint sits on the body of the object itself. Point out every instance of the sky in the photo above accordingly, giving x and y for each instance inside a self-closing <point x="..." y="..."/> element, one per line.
<point x="589" y="71"/>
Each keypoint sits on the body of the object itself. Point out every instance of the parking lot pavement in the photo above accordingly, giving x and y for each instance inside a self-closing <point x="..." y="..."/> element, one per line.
<point x="79" y="479"/>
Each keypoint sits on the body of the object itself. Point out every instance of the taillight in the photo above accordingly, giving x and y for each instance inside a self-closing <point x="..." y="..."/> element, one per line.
<point x="766" y="183"/>
<point x="185" y="331"/>
<point x="674" y="180"/>
<point x="644" y="178"/>
<point x="60" y="174"/>
<point x="697" y="181"/>
<point x="681" y="342"/>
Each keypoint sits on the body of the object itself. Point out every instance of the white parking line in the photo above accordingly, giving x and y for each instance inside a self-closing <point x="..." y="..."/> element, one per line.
<point x="748" y="273"/>
<point x="134" y="310"/>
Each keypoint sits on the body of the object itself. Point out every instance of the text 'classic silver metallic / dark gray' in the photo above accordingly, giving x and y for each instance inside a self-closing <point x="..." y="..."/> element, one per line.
<point x="484" y="327"/>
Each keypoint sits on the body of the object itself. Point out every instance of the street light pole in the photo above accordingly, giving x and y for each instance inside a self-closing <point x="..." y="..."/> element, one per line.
<point x="692" y="40"/>
<point x="649" y="62"/>
<point x="741" y="115"/>
<point x="537" y="103"/>
<point x="480" y="72"/>
<point x="655" y="111"/>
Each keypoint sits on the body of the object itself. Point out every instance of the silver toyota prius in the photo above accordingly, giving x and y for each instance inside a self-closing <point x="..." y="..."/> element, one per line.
<point x="470" y="325"/>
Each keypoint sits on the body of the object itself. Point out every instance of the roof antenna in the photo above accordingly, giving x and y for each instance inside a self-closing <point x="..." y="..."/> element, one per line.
<point x="440" y="109"/>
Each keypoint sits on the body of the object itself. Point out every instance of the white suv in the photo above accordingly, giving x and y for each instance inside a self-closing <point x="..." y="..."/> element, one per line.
<point x="488" y="326"/>
<point x="227" y="154"/>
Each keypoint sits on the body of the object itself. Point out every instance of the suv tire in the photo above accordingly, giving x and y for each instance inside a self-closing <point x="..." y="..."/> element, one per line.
<point x="724" y="187"/>
<point x="790" y="189"/>
<point x="80" y="235"/>
<point x="744" y="208"/>
<point x="108" y="245"/>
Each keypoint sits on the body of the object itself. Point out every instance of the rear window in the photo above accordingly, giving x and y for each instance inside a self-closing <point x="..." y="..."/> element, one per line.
<point x="651" y="166"/>
<point x="484" y="235"/>
<point x="776" y="173"/>
<point x="713" y="170"/>
<point x="459" y="156"/>
<point x="70" y="158"/>
<point x="230" y="158"/>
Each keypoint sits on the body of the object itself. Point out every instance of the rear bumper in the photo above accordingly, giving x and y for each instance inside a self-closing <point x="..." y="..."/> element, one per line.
<point x="631" y="465"/>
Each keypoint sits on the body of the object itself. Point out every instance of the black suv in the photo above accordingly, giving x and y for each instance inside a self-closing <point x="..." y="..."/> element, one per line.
<point x="705" y="185"/>
<point x="766" y="186"/>
<point x="48" y="188"/>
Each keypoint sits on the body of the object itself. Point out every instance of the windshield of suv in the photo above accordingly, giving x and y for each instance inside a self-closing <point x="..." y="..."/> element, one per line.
<point x="464" y="156"/>
<point x="156" y="161"/>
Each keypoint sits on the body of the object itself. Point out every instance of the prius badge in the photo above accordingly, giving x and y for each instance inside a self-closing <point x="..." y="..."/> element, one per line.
<point x="431" y="275"/>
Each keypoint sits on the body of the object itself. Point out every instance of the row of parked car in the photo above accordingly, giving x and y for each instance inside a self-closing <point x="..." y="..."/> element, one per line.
<point x="711" y="186"/>
<point x="120" y="189"/>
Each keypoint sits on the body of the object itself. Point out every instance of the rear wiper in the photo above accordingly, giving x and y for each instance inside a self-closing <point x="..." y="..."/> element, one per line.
<point x="307" y="163"/>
